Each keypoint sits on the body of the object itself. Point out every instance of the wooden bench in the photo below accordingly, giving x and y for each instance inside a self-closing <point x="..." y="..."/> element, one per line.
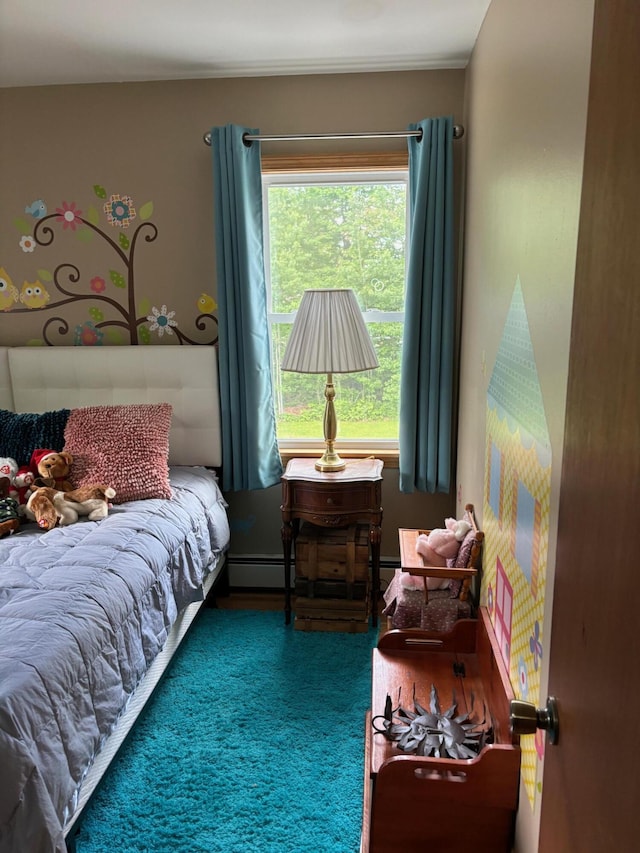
<point x="414" y="803"/>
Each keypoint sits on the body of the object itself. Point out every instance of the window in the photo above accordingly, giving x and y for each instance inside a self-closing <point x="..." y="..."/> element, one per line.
<point x="337" y="228"/>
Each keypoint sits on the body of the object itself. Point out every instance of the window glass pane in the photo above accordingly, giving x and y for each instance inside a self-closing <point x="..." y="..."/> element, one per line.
<point x="330" y="233"/>
<point x="347" y="235"/>
<point x="366" y="403"/>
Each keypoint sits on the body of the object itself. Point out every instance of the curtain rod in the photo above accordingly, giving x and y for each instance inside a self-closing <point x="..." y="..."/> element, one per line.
<point x="248" y="138"/>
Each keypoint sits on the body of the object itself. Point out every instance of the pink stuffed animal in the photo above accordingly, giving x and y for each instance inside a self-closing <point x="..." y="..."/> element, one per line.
<point x="440" y="545"/>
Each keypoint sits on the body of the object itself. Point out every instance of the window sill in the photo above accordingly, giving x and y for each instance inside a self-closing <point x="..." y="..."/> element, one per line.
<point x="388" y="455"/>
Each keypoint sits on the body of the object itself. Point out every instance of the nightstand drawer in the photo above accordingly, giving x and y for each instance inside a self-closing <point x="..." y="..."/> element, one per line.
<point x="349" y="498"/>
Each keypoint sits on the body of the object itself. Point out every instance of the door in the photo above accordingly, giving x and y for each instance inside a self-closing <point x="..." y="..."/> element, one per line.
<point x="591" y="784"/>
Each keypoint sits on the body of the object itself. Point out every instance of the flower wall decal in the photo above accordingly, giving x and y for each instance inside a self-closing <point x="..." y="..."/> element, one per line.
<point x="69" y="215"/>
<point x="120" y="210"/>
<point x="86" y="335"/>
<point x="535" y="644"/>
<point x="161" y="321"/>
<point x="114" y="313"/>
<point x="523" y="678"/>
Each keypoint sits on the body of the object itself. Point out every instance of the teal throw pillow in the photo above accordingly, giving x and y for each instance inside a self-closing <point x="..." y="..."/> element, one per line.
<point x="21" y="434"/>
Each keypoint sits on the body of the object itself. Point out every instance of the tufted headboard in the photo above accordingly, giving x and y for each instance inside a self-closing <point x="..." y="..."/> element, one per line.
<point x="40" y="379"/>
<point x="6" y="395"/>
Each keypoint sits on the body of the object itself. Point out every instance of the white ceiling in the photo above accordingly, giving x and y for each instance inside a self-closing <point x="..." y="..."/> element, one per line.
<point x="44" y="42"/>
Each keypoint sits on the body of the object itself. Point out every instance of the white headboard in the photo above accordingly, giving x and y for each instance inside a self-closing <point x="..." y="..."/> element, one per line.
<point x="6" y="394"/>
<point x="41" y="379"/>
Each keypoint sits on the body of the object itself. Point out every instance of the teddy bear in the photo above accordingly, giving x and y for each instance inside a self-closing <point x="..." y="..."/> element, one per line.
<point x="436" y="547"/>
<point x="49" y="507"/>
<point x="51" y="469"/>
<point x="9" y="520"/>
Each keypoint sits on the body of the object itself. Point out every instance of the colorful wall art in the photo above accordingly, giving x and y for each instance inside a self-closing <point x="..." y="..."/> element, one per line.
<point x="516" y="519"/>
<point x="109" y="233"/>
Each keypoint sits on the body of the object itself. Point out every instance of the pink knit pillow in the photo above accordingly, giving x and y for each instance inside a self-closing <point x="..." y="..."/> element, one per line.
<point x="126" y="447"/>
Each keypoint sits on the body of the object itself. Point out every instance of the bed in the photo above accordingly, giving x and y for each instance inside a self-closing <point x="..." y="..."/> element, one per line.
<point x="91" y="613"/>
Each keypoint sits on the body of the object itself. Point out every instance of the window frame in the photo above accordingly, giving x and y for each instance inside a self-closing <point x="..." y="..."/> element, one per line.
<point x="287" y="166"/>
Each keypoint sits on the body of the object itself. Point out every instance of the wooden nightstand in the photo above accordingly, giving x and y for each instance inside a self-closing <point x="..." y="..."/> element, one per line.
<point x="332" y="499"/>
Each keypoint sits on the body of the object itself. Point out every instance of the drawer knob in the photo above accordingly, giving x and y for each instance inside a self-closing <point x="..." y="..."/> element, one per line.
<point x="330" y="501"/>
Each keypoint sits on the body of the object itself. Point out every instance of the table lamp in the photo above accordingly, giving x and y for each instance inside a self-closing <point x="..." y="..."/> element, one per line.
<point x="329" y="336"/>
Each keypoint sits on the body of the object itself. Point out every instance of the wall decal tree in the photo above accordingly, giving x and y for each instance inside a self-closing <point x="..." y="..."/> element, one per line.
<point x="138" y="320"/>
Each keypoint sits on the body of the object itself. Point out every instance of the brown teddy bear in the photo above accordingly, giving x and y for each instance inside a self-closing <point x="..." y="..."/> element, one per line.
<point x="9" y="520"/>
<point x="51" y="469"/>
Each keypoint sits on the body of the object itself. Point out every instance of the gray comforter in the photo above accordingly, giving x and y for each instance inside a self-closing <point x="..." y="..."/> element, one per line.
<point x="84" y="610"/>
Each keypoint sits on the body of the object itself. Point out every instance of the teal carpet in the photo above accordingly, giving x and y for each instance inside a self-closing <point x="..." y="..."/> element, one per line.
<point x="253" y="743"/>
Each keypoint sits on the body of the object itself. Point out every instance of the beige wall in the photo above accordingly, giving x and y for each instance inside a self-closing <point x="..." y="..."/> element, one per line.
<point x="145" y="140"/>
<point x="526" y="106"/>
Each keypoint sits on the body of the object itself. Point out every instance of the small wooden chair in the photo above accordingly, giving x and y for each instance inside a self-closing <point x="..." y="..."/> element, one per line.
<point x="433" y="610"/>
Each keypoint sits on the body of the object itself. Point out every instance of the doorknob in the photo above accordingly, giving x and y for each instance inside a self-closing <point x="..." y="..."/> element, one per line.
<point x="525" y="718"/>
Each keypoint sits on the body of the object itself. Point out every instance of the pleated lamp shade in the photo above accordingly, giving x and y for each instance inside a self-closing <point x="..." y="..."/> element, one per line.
<point x="329" y="335"/>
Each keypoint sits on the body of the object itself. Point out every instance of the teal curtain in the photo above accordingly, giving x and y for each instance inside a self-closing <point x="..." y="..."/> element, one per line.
<point x="426" y="383"/>
<point x="250" y="457"/>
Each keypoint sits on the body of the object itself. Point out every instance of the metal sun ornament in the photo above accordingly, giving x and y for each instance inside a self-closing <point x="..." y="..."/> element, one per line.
<point x="433" y="733"/>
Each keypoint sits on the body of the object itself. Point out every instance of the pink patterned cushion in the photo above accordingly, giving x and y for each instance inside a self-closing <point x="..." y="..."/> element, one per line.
<point x="461" y="561"/>
<point x="464" y="552"/>
<point x="126" y="447"/>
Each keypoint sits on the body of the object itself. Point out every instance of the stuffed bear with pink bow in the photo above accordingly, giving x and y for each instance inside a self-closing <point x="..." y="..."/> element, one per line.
<point x="436" y="547"/>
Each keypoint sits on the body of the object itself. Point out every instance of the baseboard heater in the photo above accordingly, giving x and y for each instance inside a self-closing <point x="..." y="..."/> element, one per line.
<point x="266" y="571"/>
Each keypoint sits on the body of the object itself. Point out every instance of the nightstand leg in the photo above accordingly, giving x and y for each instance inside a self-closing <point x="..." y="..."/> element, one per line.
<point x="375" y="535"/>
<point x="287" y="539"/>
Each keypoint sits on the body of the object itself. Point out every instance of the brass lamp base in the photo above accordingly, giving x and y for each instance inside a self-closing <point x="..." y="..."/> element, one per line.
<point x="330" y="461"/>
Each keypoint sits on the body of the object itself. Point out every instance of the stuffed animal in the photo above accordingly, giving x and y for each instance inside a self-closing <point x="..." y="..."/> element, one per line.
<point x="41" y="509"/>
<point x="9" y="520"/>
<point x="20" y="480"/>
<point x="22" y="483"/>
<point x="440" y="545"/>
<point x="92" y="501"/>
<point x="51" y="469"/>
<point x="9" y="468"/>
